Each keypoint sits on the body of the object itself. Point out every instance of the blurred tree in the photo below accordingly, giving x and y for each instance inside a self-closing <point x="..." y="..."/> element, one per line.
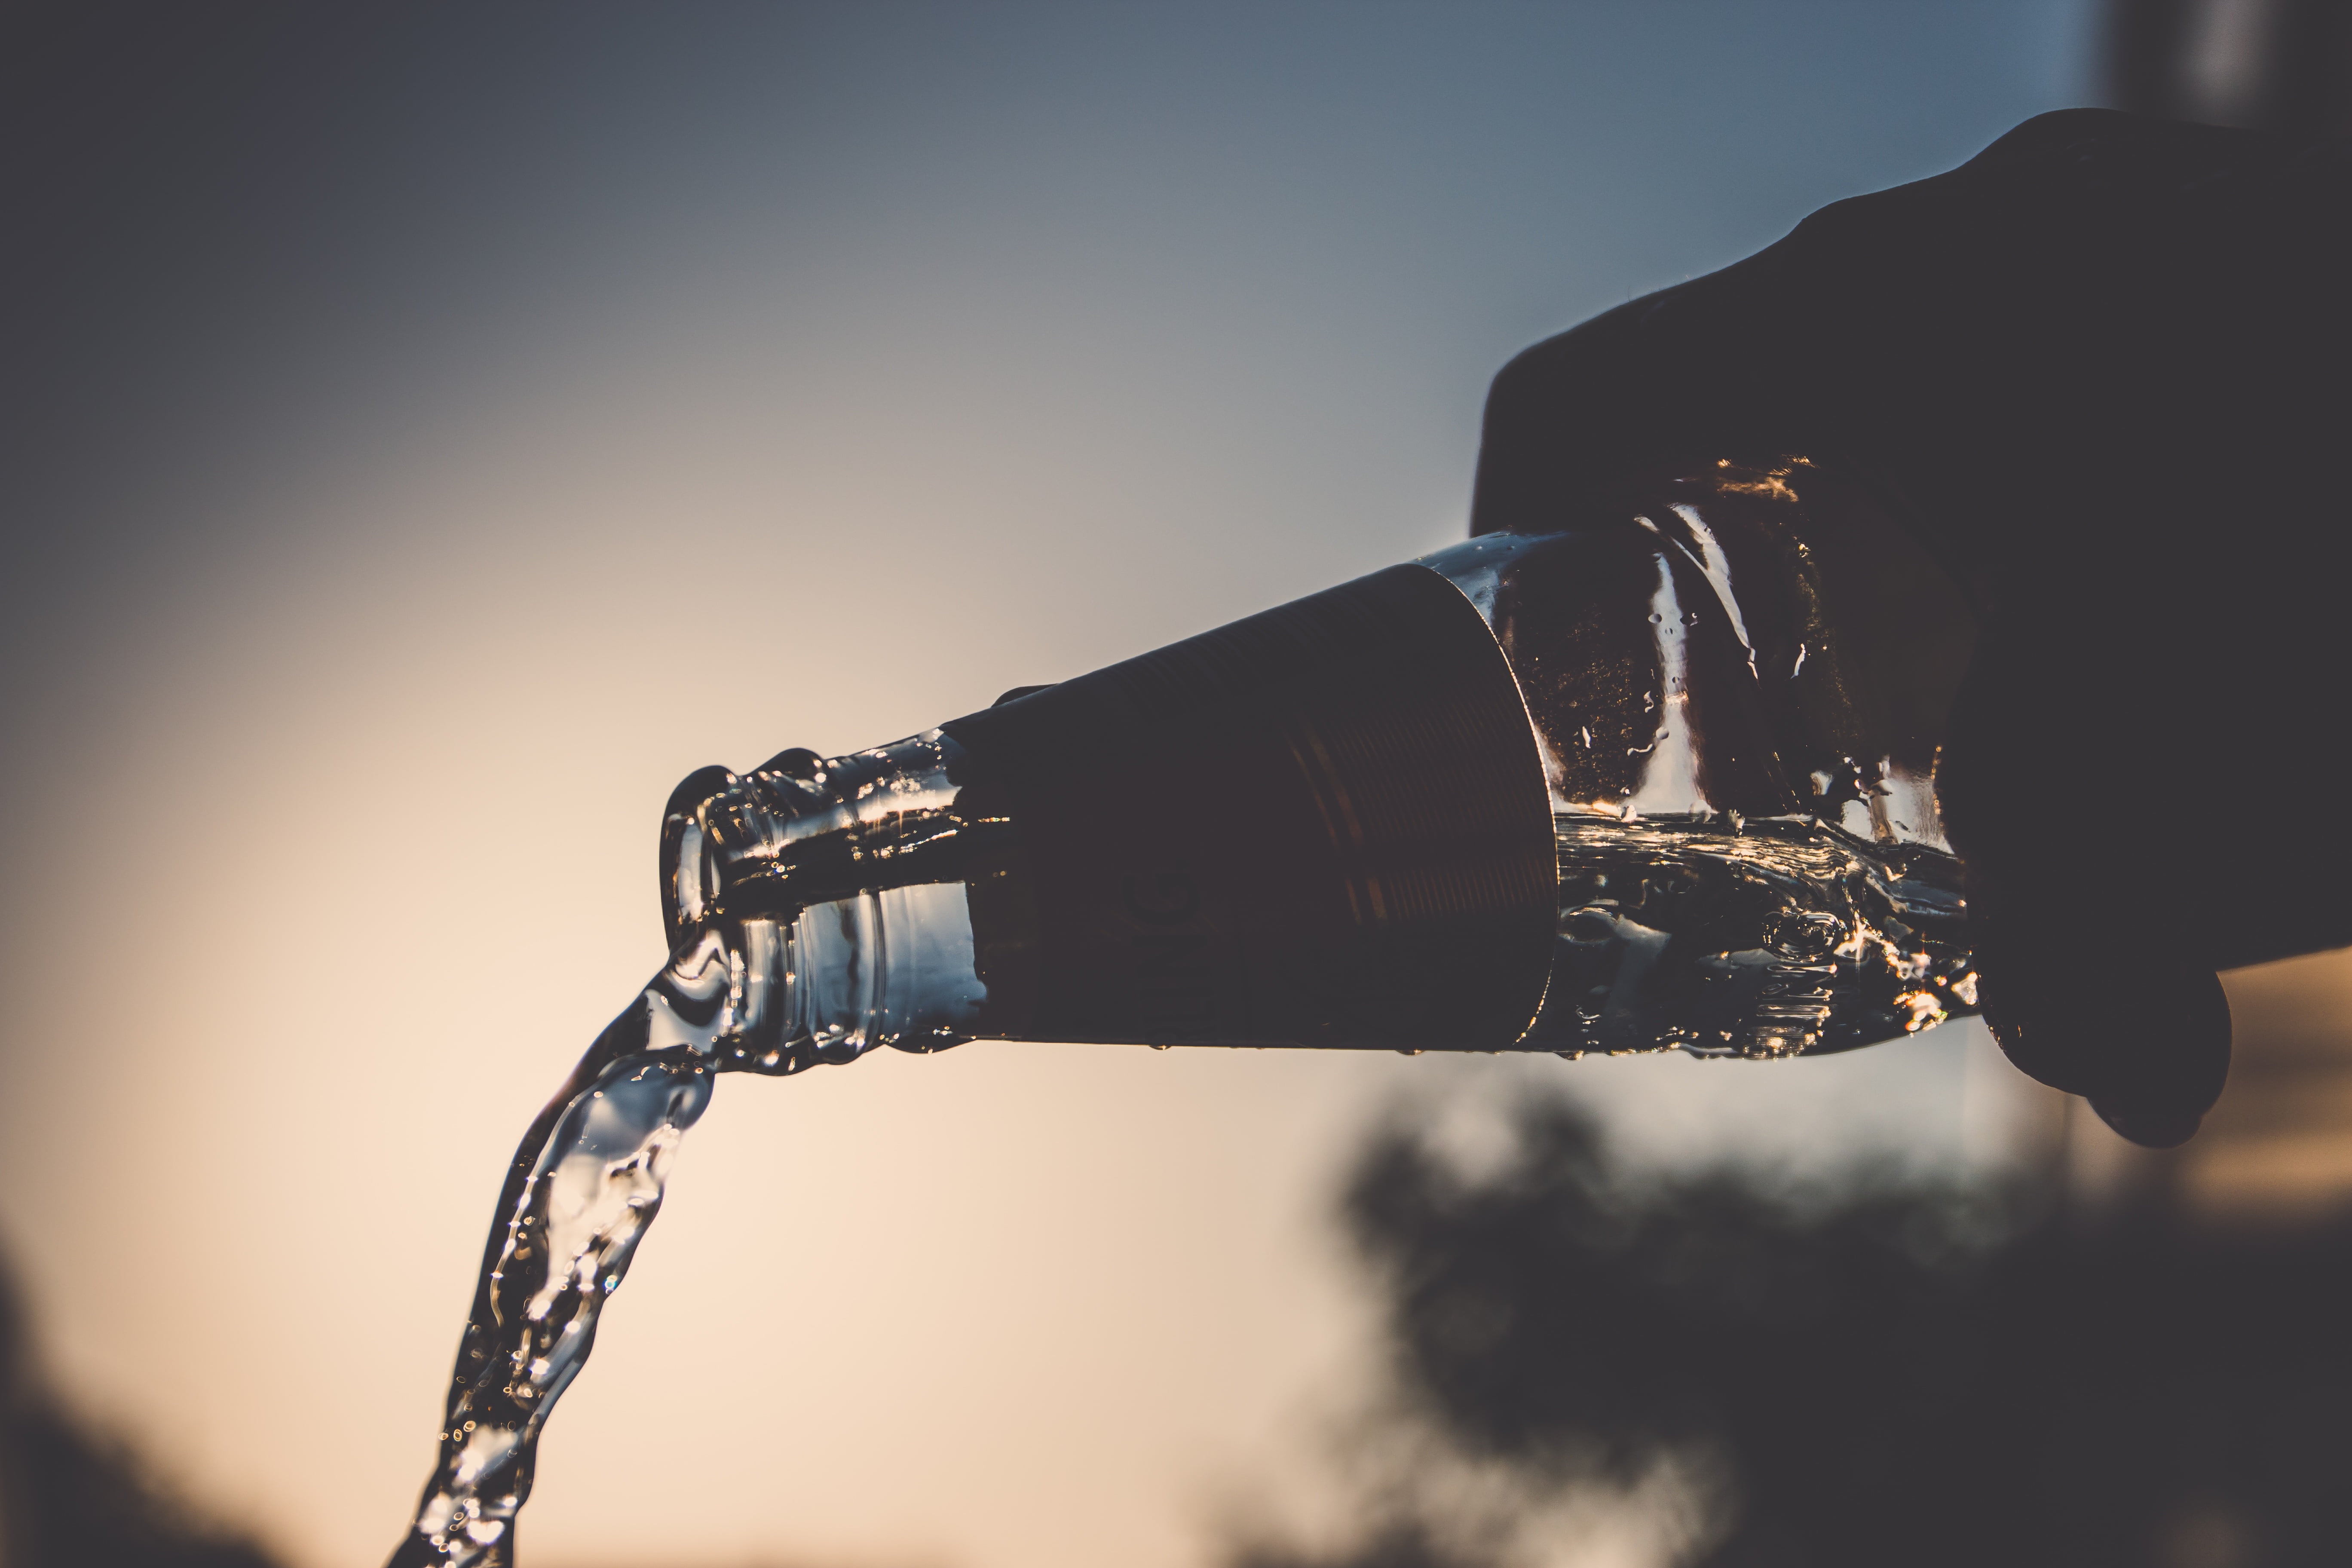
<point x="70" y="1498"/>
<point x="1892" y="1369"/>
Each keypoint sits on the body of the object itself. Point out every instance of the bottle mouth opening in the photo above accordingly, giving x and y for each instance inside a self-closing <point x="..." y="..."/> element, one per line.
<point x="688" y="882"/>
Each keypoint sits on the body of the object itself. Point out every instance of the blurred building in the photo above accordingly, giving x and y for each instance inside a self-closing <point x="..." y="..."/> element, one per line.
<point x="2268" y="64"/>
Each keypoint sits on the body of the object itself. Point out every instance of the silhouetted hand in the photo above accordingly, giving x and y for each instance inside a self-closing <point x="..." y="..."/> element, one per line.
<point x="2100" y="364"/>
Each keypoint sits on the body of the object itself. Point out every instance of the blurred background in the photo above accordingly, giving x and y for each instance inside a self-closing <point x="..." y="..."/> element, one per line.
<point x="431" y="431"/>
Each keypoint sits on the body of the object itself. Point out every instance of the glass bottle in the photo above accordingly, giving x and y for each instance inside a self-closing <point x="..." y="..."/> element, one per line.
<point x="1660" y="778"/>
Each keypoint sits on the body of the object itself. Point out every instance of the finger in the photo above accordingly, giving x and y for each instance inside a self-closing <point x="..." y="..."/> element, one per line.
<point x="2091" y="891"/>
<point x="2132" y="1023"/>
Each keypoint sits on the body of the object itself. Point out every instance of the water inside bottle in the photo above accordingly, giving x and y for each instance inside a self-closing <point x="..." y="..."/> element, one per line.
<point x="1739" y="678"/>
<point x="1731" y="938"/>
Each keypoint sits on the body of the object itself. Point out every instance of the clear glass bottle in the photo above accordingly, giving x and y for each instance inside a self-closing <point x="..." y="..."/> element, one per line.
<point x="1660" y="778"/>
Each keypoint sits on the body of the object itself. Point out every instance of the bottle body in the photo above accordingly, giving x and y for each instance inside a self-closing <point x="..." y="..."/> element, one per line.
<point x="1636" y="783"/>
<point x="1738" y="677"/>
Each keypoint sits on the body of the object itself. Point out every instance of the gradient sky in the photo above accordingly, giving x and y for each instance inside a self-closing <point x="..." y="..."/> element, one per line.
<point x="430" y="434"/>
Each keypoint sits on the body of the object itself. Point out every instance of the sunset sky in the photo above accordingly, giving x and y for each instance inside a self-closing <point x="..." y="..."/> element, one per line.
<point x="432" y="433"/>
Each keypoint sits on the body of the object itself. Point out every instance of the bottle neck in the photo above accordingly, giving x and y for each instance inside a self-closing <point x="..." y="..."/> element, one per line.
<point x="1326" y="825"/>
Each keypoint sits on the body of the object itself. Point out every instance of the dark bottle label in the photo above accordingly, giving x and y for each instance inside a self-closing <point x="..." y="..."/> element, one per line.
<point x="1326" y="825"/>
